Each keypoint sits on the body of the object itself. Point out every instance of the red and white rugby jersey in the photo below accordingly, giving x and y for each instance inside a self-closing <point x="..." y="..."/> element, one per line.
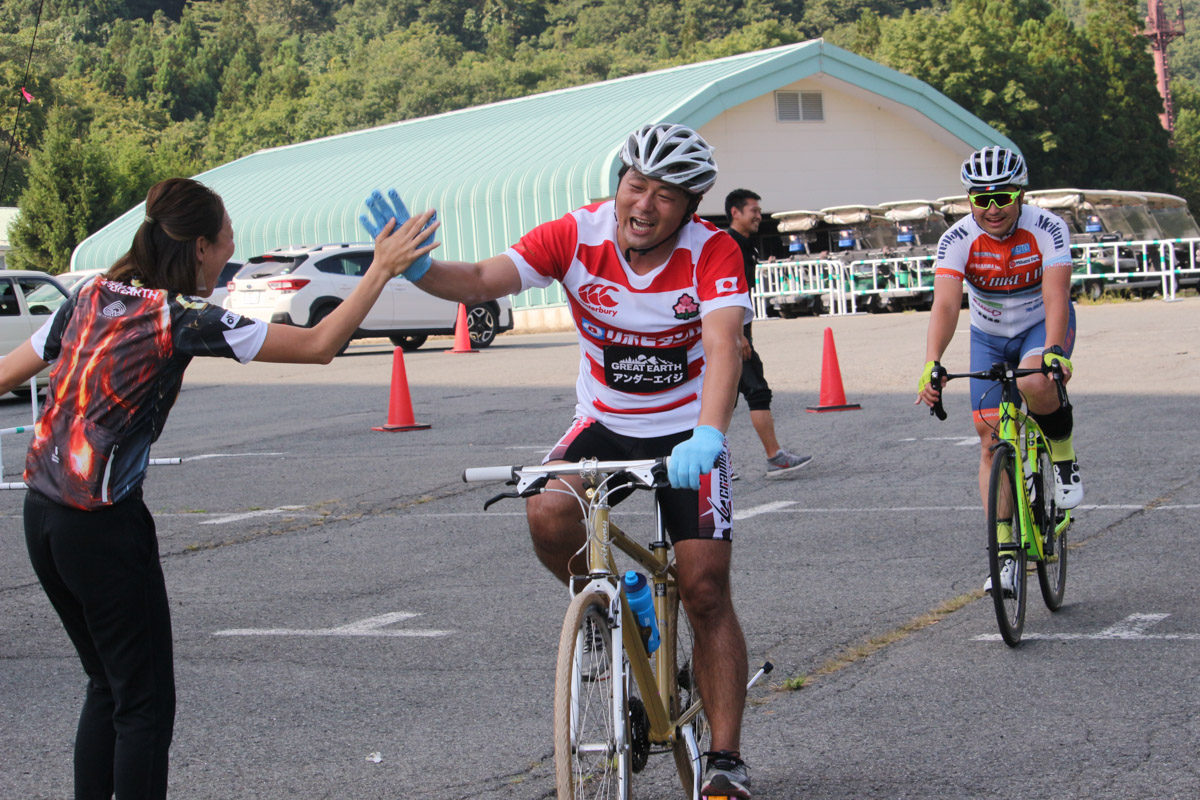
<point x="642" y="360"/>
<point x="1004" y="277"/>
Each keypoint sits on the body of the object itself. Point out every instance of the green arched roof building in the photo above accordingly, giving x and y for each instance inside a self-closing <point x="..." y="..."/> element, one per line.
<point x="495" y="171"/>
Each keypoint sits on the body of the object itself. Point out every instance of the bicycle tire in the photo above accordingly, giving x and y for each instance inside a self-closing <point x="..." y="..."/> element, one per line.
<point x="686" y="692"/>
<point x="589" y="764"/>
<point x="1002" y="497"/>
<point x="1052" y="569"/>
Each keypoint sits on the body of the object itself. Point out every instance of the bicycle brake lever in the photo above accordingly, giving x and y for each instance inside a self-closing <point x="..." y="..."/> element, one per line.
<point x="935" y="378"/>
<point x="498" y="498"/>
<point x="1059" y="387"/>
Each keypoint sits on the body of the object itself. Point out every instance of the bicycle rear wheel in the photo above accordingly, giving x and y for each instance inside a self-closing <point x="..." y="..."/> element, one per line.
<point x="684" y="695"/>
<point x="1003" y="506"/>
<point x="591" y="753"/>
<point x="1052" y="527"/>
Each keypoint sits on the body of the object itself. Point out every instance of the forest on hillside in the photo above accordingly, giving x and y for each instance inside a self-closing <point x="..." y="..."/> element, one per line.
<point x="103" y="97"/>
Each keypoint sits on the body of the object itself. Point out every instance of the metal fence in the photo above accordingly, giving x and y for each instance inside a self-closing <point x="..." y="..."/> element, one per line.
<point x="838" y="287"/>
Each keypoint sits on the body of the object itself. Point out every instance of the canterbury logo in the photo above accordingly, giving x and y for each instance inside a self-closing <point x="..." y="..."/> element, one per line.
<point x="114" y="309"/>
<point x="597" y="294"/>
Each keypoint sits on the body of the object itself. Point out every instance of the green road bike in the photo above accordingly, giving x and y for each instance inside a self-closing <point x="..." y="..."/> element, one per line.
<point x="614" y="704"/>
<point x="1023" y="522"/>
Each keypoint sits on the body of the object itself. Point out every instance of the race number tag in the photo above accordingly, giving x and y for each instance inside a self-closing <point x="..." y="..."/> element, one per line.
<point x="644" y="371"/>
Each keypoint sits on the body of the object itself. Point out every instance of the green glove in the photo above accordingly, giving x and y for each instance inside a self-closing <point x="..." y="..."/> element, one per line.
<point x="1055" y="353"/>
<point x="927" y="376"/>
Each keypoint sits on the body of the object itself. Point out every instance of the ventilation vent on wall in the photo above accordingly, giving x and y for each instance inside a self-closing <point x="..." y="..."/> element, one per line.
<point x="799" y="107"/>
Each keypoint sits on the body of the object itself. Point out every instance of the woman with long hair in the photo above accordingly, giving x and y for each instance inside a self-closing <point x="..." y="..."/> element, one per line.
<point x="119" y="346"/>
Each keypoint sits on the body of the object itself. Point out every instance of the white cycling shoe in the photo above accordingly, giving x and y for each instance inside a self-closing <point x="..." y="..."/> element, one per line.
<point x="1008" y="571"/>
<point x="1068" y="484"/>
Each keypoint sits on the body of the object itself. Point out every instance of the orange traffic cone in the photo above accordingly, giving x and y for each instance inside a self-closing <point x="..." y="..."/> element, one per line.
<point x="833" y="396"/>
<point x="400" y="413"/>
<point x="462" y="336"/>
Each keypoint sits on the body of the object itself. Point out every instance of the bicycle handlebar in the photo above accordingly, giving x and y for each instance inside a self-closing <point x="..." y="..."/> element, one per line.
<point x="647" y="473"/>
<point x="1003" y="373"/>
<point x="584" y="467"/>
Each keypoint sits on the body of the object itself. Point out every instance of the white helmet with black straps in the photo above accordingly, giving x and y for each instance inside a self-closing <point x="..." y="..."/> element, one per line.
<point x="672" y="153"/>
<point x="991" y="167"/>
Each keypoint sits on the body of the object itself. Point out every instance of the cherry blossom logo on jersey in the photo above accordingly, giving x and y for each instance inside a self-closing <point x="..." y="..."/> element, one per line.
<point x="113" y="310"/>
<point x="599" y="297"/>
<point x="685" y="307"/>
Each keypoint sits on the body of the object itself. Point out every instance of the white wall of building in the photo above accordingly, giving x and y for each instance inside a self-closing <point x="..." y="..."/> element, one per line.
<point x="868" y="150"/>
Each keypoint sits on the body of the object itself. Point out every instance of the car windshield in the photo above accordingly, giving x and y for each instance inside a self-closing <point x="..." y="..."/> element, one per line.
<point x="42" y="297"/>
<point x="228" y="272"/>
<point x="267" y="266"/>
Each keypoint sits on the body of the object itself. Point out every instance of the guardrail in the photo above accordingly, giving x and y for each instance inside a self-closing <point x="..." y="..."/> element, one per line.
<point x="831" y="286"/>
<point x="33" y="389"/>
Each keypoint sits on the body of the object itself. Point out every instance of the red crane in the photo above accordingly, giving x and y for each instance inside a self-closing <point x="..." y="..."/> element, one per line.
<point x="1161" y="31"/>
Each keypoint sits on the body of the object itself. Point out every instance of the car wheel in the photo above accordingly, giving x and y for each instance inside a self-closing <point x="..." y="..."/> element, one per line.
<point x="321" y="314"/>
<point x="408" y="343"/>
<point x="482" y="324"/>
<point x="1093" y="290"/>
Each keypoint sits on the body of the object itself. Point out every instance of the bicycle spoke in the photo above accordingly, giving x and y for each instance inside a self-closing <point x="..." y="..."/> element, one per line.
<point x="1006" y="555"/>
<point x="591" y="759"/>
<point x="1052" y="527"/>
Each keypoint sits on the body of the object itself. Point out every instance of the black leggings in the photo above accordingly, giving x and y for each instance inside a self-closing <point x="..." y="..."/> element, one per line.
<point x="101" y="571"/>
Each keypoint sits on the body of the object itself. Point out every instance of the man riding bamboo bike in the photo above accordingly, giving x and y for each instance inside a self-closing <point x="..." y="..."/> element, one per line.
<point x="659" y="298"/>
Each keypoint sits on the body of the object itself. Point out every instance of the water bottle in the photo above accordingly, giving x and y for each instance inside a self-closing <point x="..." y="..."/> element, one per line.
<point x="637" y="592"/>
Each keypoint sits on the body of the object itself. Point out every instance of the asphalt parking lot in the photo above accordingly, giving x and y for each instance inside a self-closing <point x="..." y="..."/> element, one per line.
<point x="350" y="623"/>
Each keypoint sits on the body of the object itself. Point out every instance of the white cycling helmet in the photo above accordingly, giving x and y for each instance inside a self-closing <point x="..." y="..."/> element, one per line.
<point x="992" y="167"/>
<point x="672" y="153"/>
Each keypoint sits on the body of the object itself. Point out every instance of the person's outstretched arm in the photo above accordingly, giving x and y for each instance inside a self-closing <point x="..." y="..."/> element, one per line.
<point x="319" y="344"/>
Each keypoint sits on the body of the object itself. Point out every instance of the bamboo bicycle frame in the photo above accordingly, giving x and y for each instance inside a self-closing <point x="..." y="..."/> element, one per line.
<point x="657" y="684"/>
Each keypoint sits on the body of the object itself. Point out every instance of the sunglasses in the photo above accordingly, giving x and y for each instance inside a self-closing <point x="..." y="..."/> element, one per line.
<point x="1001" y="199"/>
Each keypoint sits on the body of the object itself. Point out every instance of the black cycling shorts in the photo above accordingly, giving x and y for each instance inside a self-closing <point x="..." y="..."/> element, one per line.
<point x="687" y="513"/>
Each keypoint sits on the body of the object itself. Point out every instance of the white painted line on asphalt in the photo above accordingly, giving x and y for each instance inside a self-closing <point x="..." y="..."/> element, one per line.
<point x="251" y="514"/>
<point x="960" y="441"/>
<point x="789" y="507"/>
<point x="765" y="508"/>
<point x="229" y="455"/>
<point x="1132" y="628"/>
<point x="371" y="626"/>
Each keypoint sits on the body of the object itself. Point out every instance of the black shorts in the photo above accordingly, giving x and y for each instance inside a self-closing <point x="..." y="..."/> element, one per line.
<point x="687" y="513"/>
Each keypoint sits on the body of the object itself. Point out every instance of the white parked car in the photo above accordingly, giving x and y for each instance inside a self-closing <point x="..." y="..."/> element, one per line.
<point x="301" y="285"/>
<point x="70" y="280"/>
<point x="27" y="299"/>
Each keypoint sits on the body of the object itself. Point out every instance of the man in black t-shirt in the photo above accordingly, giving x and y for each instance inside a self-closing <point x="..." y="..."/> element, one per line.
<point x="745" y="214"/>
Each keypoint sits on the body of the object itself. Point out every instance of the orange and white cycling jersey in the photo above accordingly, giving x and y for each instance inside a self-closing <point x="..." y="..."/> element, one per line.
<point x="1004" y="277"/>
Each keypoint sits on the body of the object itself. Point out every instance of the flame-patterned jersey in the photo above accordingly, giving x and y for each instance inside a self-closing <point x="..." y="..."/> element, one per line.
<point x="642" y="360"/>
<point x="1004" y="277"/>
<point x="119" y="354"/>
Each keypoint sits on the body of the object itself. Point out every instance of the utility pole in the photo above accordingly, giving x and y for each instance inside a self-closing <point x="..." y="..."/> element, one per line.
<point x="1161" y="31"/>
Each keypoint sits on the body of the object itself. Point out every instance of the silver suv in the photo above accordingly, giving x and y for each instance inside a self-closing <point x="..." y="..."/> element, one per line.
<point x="301" y="285"/>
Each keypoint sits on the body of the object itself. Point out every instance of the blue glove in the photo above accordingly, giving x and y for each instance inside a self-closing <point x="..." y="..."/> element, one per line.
<point x="382" y="211"/>
<point x="695" y="457"/>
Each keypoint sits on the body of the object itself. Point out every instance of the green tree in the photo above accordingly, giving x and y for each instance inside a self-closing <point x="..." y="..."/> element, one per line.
<point x="65" y="199"/>
<point x="1128" y="121"/>
<point x="1045" y="84"/>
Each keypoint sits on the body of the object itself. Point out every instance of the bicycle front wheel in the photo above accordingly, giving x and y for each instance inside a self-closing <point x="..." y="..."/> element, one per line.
<point x="1006" y="554"/>
<point x="682" y="698"/>
<point x="591" y="753"/>
<point x="1052" y="527"/>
